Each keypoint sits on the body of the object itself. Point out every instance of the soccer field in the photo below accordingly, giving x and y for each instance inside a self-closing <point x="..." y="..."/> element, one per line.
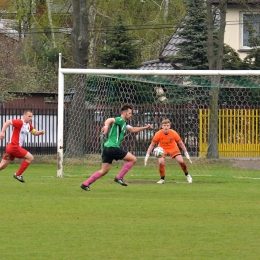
<point x="215" y="217"/>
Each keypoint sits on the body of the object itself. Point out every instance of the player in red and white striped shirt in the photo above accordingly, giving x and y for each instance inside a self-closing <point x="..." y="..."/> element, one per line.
<point x="21" y="127"/>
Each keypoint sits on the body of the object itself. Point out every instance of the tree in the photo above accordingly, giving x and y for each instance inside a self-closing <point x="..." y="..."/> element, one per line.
<point x="192" y="52"/>
<point x="120" y="52"/>
<point x="149" y="22"/>
<point x="215" y="61"/>
<point x="231" y="59"/>
<point x="79" y="35"/>
<point x="79" y="39"/>
<point x="252" y="60"/>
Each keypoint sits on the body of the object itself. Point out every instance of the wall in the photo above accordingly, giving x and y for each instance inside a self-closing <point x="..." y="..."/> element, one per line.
<point x="234" y="29"/>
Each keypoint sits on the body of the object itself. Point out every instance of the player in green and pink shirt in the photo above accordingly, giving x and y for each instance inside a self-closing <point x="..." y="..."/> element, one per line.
<point x="112" y="150"/>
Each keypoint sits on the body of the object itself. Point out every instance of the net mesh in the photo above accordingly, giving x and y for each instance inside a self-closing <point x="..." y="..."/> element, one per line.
<point x="216" y="116"/>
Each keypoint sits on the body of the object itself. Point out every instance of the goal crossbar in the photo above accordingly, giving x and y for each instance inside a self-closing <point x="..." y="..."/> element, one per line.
<point x="162" y="72"/>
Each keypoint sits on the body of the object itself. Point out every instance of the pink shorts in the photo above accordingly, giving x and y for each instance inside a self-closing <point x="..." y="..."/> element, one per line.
<point x="14" y="151"/>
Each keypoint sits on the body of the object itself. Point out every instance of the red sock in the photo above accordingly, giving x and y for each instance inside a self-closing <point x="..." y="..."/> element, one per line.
<point x="22" y="168"/>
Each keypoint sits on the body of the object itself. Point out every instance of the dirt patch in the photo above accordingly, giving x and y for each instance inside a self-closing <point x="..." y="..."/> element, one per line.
<point x="141" y="182"/>
<point x="153" y="182"/>
<point x="247" y="164"/>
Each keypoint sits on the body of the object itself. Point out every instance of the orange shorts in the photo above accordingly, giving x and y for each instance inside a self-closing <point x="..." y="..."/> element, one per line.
<point x="14" y="151"/>
<point x="172" y="153"/>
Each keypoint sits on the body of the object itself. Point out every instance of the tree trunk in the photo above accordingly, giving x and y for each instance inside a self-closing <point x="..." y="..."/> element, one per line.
<point x="92" y="35"/>
<point x="50" y="23"/>
<point x="75" y="146"/>
<point x="223" y="11"/>
<point x="215" y="64"/>
<point x="210" y="41"/>
<point x="79" y="33"/>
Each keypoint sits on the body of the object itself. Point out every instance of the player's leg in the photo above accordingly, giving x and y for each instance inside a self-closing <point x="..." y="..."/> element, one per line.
<point x="15" y="151"/>
<point x="27" y="157"/>
<point x="130" y="160"/>
<point x="183" y="165"/>
<point x="161" y="167"/>
<point x="7" y="157"/>
<point x="107" y="159"/>
<point x="5" y="161"/>
<point x="96" y="175"/>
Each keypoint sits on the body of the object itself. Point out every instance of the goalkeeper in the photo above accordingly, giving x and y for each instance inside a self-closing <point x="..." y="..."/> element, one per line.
<point x="169" y="140"/>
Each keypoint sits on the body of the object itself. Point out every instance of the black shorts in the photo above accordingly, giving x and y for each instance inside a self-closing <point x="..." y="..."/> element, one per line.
<point x="112" y="153"/>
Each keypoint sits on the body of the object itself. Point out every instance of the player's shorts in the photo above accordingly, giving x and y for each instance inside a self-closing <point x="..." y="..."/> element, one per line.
<point x="112" y="153"/>
<point x="172" y="153"/>
<point x="14" y="151"/>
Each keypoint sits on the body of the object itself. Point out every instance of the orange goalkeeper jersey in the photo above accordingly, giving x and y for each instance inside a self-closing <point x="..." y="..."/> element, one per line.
<point x="167" y="142"/>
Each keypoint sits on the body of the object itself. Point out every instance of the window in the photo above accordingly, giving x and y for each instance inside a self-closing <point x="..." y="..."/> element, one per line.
<point x="250" y="29"/>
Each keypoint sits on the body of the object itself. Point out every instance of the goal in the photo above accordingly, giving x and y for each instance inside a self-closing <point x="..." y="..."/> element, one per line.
<point x="215" y="112"/>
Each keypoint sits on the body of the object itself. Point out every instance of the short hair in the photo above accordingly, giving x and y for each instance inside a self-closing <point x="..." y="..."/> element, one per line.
<point x="26" y="111"/>
<point x="126" y="107"/>
<point x="166" y="121"/>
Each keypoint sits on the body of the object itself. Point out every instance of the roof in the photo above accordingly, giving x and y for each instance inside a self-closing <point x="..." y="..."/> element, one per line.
<point x="170" y="49"/>
<point x="156" y="65"/>
<point x="45" y="94"/>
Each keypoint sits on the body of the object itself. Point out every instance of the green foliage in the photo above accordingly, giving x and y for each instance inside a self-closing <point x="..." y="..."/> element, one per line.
<point x="231" y="59"/>
<point x="120" y="51"/>
<point x="252" y="60"/>
<point x="193" y="48"/>
<point x="31" y="65"/>
<point x="149" y="23"/>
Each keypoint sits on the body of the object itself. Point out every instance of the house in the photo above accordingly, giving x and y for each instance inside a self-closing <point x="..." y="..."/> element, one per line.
<point x="238" y="16"/>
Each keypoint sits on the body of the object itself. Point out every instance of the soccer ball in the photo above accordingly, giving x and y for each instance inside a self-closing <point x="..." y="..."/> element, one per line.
<point x="158" y="152"/>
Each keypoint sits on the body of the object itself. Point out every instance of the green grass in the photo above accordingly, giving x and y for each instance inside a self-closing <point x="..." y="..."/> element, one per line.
<point x="216" y="217"/>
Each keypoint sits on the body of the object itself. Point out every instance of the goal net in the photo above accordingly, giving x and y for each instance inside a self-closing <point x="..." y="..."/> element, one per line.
<point x="216" y="113"/>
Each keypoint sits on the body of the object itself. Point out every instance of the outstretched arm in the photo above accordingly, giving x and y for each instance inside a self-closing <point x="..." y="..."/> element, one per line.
<point x="36" y="132"/>
<point x="6" y="124"/>
<point x="136" y="129"/>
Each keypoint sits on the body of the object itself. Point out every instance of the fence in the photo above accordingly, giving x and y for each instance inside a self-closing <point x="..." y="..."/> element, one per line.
<point x="238" y="132"/>
<point x="238" y="129"/>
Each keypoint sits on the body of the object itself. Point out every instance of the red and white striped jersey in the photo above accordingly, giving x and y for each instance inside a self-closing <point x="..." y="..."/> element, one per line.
<point x="20" y="131"/>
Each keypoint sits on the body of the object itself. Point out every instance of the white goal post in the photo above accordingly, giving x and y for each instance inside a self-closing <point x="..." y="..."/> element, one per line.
<point x="167" y="78"/>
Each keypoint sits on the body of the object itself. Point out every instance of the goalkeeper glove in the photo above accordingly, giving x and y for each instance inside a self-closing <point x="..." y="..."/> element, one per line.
<point x="187" y="156"/>
<point x="146" y="159"/>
